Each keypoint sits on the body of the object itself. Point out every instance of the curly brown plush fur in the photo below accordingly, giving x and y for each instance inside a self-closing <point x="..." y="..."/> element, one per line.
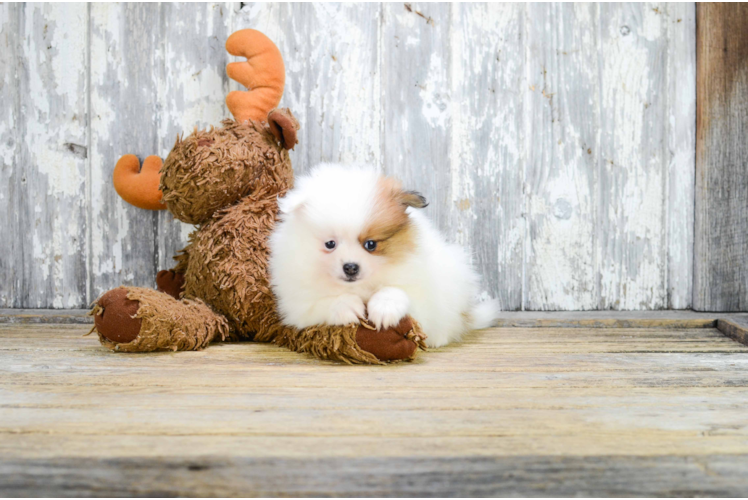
<point x="212" y="169"/>
<point x="228" y="180"/>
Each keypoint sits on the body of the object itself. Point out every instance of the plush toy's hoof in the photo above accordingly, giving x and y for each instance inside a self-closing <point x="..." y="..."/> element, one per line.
<point x="392" y="344"/>
<point x="170" y="282"/>
<point x="116" y="321"/>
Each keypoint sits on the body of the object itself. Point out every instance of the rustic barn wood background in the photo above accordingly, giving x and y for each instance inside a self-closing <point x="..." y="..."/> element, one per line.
<point x="557" y="141"/>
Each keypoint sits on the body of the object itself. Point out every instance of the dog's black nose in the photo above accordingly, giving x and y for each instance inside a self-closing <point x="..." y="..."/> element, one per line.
<point x="350" y="269"/>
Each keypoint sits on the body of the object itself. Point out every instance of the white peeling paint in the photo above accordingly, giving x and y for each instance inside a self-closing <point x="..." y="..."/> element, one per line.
<point x="434" y="95"/>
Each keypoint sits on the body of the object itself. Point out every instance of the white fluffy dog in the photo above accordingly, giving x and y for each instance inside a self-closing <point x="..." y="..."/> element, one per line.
<point x="352" y="244"/>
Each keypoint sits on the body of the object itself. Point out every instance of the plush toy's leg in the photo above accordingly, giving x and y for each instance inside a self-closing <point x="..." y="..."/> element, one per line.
<point x="170" y="282"/>
<point x="355" y="344"/>
<point x="131" y="319"/>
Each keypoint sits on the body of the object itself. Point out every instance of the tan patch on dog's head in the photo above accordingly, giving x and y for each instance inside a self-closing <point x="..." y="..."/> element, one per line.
<point x="388" y="224"/>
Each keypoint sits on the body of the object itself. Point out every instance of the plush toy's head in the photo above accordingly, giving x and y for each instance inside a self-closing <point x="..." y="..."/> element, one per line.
<point x="212" y="169"/>
<point x="226" y="164"/>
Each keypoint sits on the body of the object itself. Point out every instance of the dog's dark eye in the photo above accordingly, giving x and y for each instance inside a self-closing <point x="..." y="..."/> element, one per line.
<point x="370" y="245"/>
<point x="330" y="245"/>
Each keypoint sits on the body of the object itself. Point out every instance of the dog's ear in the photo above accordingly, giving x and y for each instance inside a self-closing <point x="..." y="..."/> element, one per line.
<point x="291" y="202"/>
<point x="413" y="199"/>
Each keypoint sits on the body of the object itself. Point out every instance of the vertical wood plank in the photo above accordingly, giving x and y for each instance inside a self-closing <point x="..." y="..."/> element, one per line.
<point x="563" y="99"/>
<point x="633" y="165"/>
<point x="192" y="86"/>
<point x="11" y="254"/>
<point x="332" y="76"/>
<point x="417" y="102"/>
<point x="487" y="139"/>
<point x="125" y="40"/>
<point x="52" y="200"/>
<point x="681" y="121"/>
<point x="721" y="228"/>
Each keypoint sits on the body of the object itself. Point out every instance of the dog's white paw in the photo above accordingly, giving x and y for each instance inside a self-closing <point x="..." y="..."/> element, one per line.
<point x="387" y="307"/>
<point x="345" y="310"/>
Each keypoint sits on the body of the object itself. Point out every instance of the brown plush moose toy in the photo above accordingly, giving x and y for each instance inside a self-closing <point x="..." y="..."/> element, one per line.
<point x="227" y="182"/>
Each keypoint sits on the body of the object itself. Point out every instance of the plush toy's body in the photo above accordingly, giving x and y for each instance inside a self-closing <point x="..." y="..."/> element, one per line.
<point x="227" y="181"/>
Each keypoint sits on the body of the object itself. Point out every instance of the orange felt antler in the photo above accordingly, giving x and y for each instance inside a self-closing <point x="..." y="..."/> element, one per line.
<point x="139" y="186"/>
<point x="263" y="73"/>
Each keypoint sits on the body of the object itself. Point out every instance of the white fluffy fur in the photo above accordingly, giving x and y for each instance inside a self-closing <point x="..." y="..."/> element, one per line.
<point x="436" y="283"/>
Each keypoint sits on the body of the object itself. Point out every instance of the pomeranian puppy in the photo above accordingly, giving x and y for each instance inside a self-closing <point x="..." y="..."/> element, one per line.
<point x="352" y="244"/>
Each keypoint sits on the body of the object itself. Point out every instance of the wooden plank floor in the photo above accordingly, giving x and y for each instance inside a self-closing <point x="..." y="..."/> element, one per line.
<point x="510" y="411"/>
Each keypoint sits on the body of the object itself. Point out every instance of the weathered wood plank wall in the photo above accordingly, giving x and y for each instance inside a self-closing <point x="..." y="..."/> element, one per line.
<point x="554" y="140"/>
<point x="721" y="271"/>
